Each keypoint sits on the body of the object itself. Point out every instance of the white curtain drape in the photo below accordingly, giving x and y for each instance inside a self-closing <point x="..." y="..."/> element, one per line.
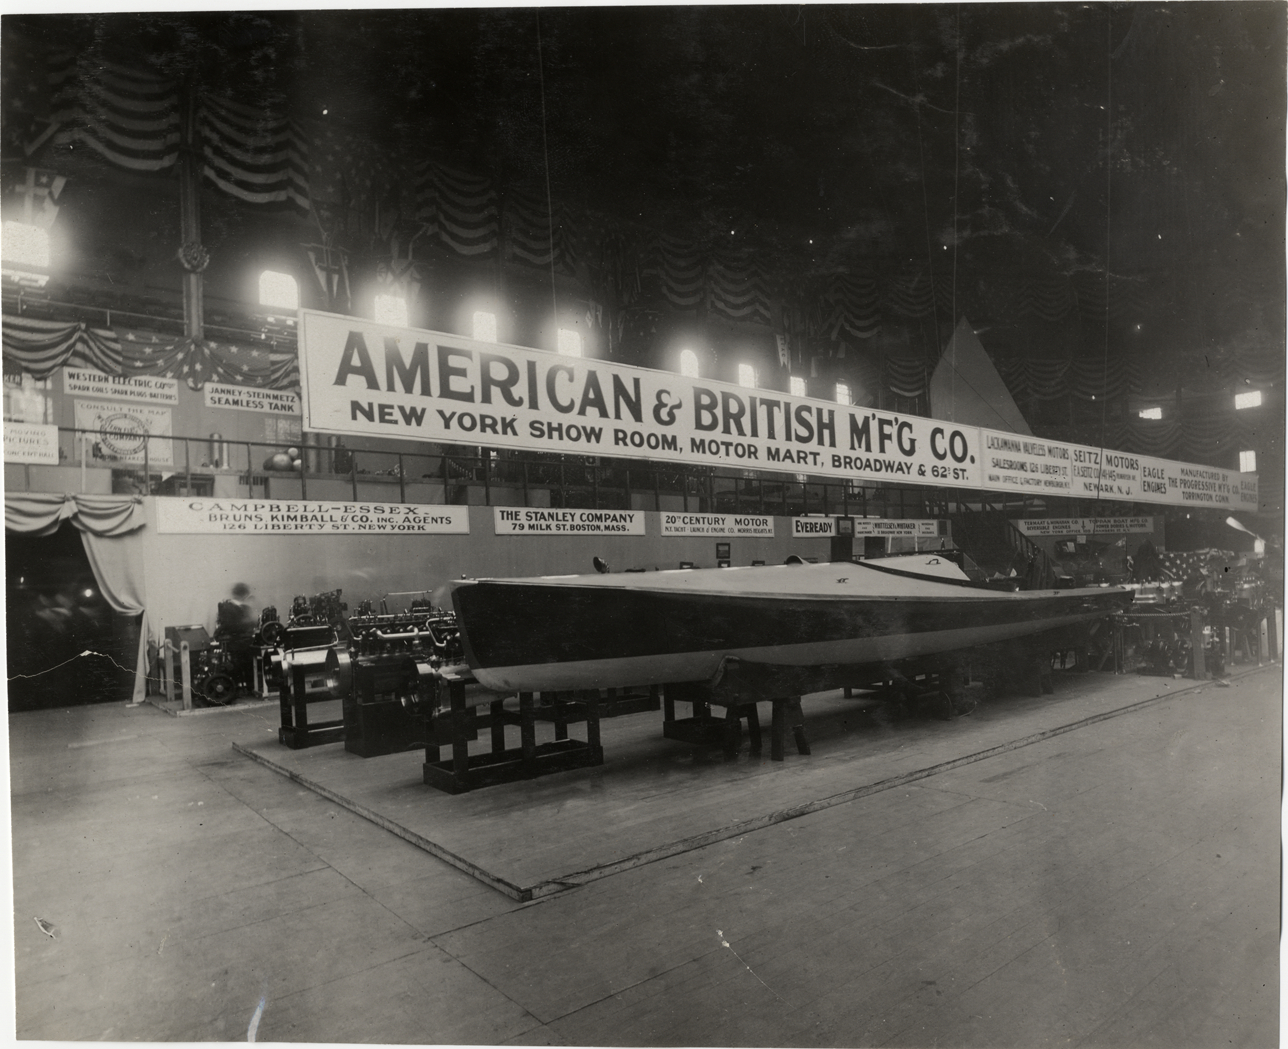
<point x="110" y="530"/>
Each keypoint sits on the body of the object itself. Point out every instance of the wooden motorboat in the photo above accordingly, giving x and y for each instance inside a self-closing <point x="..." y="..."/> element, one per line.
<point x="615" y="630"/>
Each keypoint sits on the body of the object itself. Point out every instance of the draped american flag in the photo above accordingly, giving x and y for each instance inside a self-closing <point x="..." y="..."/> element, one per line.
<point x="459" y="209"/>
<point x="350" y="179"/>
<point x="257" y="155"/>
<point x="128" y="116"/>
<point x="529" y="232"/>
<point x="41" y="346"/>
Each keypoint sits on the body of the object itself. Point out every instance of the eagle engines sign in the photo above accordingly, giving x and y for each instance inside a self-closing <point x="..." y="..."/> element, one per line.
<point x="363" y="378"/>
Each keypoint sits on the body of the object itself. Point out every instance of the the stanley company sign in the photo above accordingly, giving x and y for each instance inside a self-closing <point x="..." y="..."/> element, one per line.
<point x="363" y="378"/>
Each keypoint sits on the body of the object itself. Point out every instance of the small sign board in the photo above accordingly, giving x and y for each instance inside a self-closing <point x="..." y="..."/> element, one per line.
<point x="31" y="443"/>
<point x="518" y="520"/>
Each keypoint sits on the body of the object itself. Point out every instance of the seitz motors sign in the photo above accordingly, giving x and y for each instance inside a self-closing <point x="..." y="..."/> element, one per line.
<point x="363" y="378"/>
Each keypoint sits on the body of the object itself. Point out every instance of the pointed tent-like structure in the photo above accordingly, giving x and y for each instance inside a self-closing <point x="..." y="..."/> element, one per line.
<point x="966" y="388"/>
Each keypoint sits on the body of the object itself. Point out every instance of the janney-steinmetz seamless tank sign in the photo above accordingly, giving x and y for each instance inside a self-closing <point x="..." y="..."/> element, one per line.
<point x="363" y="378"/>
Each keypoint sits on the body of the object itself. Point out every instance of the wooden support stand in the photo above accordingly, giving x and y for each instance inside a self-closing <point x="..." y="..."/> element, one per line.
<point x="737" y="687"/>
<point x="463" y="771"/>
<point x="301" y="674"/>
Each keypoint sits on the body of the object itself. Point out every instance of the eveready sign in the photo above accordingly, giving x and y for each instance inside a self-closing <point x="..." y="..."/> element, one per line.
<point x="813" y="527"/>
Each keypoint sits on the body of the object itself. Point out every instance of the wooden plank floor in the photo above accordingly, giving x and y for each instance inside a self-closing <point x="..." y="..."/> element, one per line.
<point x="654" y="798"/>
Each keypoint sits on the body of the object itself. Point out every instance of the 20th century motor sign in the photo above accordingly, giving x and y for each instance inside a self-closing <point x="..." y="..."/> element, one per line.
<point x="362" y="378"/>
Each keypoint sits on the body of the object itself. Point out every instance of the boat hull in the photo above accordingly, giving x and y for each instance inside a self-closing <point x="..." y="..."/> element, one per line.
<point x="580" y="633"/>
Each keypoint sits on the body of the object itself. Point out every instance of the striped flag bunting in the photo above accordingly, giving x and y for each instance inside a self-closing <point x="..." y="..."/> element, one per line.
<point x="1045" y="299"/>
<point x="1090" y="379"/>
<point x="128" y="116"/>
<point x="1160" y="437"/>
<point x="197" y="362"/>
<point x="680" y="267"/>
<point x="739" y="291"/>
<point x="39" y="347"/>
<point x="1047" y="379"/>
<point x="906" y="376"/>
<point x="460" y="209"/>
<point x="909" y="294"/>
<point x="1015" y="375"/>
<point x="1125" y="296"/>
<point x="856" y="306"/>
<point x="526" y="220"/>
<point x="253" y="154"/>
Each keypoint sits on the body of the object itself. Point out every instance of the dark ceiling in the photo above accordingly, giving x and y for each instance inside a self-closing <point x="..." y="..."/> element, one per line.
<point x="1025" y="136"/>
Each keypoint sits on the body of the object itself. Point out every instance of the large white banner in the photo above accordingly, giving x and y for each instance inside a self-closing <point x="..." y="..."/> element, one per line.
<point x="306" y="517"/>
<point x="153" y="388"/>
<point x="691" y="524"/>
<point x="369" y="379"/>
<point x="366" y="379"/>
<point x="31" y="443"/>
<point x="251" y="399"/>
<point x="120" y="432"/>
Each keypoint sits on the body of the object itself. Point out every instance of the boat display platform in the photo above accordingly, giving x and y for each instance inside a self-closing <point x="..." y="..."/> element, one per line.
<point x="655" y="797"/>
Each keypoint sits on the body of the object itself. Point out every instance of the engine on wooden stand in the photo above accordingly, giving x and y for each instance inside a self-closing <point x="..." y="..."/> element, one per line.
<point x="298" y="664"/>
<point x="388" y="675"/>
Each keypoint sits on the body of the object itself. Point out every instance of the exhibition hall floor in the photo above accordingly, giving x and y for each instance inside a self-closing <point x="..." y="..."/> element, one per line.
<point x="1096" y="867"/>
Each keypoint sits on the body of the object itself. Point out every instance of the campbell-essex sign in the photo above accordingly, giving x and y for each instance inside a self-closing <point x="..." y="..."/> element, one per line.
<point x="361" y="378"/>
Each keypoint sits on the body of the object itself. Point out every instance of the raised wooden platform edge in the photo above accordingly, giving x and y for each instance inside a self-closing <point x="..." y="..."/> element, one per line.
<point x="734" y="830"/>
<point x="515" y="892"/>
<point x="584" y="877"/>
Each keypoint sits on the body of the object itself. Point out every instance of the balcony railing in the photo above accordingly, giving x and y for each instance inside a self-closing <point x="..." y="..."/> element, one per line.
<point x="444" y="474"/>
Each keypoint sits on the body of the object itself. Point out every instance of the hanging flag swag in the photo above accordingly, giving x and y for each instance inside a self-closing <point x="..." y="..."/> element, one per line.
<point x="38" y="347"/>
<point x="255" y="155"/>
<point x="128" y="116"/>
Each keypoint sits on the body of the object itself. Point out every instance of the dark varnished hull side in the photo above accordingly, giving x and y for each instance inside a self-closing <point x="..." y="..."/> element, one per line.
<point x="612" y="632"/>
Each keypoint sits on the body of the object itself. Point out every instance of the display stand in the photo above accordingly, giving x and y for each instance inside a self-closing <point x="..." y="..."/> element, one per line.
<point x="738" y="687"/>
<point x="463" y="771"/>
<point x="303" y="681"/>
<point x="614" y="703"/>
